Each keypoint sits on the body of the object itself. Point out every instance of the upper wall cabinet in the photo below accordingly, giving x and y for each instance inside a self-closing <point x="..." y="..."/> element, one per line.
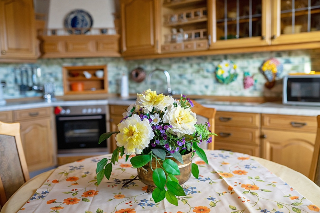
<point x="295" y="21"/>
<point x="244" y="23"/>
<point x="138" y="25"/>
<point x="17" y="31"/>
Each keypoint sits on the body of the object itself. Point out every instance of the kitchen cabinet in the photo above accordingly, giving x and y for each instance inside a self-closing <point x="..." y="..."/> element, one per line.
<point x="289" y="140"/>
<point x="139" y="26"/>
<point x="115" y="112"/>
<point x="238" y="132"/>
<point x="36" y="130"/>
<point x="17" y="31"/>
<point x="6" y="116"/>
<point x="295" y="21"/>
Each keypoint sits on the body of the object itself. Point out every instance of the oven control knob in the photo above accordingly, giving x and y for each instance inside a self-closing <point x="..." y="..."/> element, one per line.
<point x="68" y="111"/>
<point x="84" y="111"/>
<point x="63" y="111"/>
<point x="98" y="110"/>
<point x="94" y="110"/>
<point x="89" y="110"/>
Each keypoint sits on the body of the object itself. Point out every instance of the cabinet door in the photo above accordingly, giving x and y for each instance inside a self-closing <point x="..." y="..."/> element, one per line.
<point x="17" y="30"/>
<point x="139" y="27"/>
<point x="292" y="149"/>
<point x="37" y="137"/>
<point x="114" y="121"/>
<point x="244" y="23"/>
<point x="249" y="150"/>
<point x="295" y="21"/>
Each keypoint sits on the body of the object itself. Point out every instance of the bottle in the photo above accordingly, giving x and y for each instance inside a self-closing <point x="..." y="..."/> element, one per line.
<point x="124" y="86"/>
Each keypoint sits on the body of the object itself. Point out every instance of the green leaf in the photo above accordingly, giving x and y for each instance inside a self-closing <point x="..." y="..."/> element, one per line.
<point x="159" y="153"/>
<point x="127" y="157"/>
<point x="99" y="210"/>
<point x="177" y="156"/>
<point x="101" y="164"/>
<point x="245" y="192"/>
<point x="108" y="170"/>
<point x="115" y="155"/>
<point x="212" y="204"/>
<point x="265" y="190"/>
<point x="200" y="152"/>
<point x="280" y="205"/>
<point x="257" y="177"/>
<point x="105" y="136"/>
<point x="195" y="170"/>
<point x="254" y="193"/>
<point x="158" y="194"/>
<point x="121" y="151"/>
<point x="171" y="167"/>
<point x="296" y="210"/>
<point x="159" y="178"/>
<point x="175" y="188"/>
<point x="100" y="176"/>
<point x="296" y="204"/>
<point x="85" y="199"/>
<point x="140" y="160"/>
<point x="232" y="207"/>
<point x="171" y="198"/>
<point x="171" y="177"/>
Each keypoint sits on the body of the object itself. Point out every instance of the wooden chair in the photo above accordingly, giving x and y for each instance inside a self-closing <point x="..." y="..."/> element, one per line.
<point x="315" y="163"/>
<point x="13" y="166"/>
<point x="207" y="114"/>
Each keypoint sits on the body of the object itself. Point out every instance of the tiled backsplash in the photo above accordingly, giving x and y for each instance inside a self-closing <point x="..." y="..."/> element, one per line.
<point x="189" y="75"/>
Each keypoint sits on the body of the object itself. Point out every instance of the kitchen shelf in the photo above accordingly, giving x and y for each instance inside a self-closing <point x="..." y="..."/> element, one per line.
<point x="299" y="13"/>
<point x="185" y="3"/>
<point x="92" y="85"/>
<point x="219" y="22"/>
<point x="179" y="23"/>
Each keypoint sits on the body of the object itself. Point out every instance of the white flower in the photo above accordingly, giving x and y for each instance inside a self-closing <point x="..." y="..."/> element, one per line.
<point x="135" y="135"/>
<point x="128" y="112"/>
<point x="149" y="99"/>
<point x="182" y="120"/>
<point x="155" y="119"/>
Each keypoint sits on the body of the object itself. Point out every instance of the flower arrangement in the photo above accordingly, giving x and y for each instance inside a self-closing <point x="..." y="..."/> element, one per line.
<point x="155" y="127"/>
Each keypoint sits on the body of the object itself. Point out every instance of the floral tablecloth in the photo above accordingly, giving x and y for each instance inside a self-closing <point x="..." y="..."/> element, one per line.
<point x="231" y="182"/>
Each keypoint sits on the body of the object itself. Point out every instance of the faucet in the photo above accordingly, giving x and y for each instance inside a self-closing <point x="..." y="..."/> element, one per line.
<point x="169" y="91"/>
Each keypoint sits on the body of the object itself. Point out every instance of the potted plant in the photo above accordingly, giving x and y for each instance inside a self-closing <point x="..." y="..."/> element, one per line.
<point x="163" y="135"/>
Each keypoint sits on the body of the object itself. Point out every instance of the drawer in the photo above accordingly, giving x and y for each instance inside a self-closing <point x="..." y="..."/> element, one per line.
<point x="189" y="46"/>
<point x="6" y="116"/>
<point x="117" y="109"/>
<point x="289" y="122"/>
<point x="245" y="149"/>
<point x="239" y="119"/>
<point x="165" y="48"/>
<point x="237" y="135"/>
<point x="176" y="47"/>
<point x="31" y="113"/>
<point x="202" y="45"/>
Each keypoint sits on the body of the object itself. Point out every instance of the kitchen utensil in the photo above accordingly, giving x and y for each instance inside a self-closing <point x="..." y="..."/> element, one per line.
<point x="87" y="74"/>
<point x="99" y="73"/>
<point x="77" y="86"/>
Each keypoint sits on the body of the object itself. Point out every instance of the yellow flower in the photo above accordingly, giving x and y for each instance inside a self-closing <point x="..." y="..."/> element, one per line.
<point x="150" y="99"/>
<point x="226" y="64"/>
<point x="220" y="71"/>
<point x="134" y="134"/>
<point x="234" y="66"/>
<point x="182" y="120"/>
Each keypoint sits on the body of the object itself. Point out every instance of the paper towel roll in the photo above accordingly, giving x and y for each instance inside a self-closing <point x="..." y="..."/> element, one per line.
<point x="2" y="101"/>
<point x="124" y="86"/>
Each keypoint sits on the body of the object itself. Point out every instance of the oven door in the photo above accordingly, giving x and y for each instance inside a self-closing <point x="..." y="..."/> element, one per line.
<point x="80" y="131"/>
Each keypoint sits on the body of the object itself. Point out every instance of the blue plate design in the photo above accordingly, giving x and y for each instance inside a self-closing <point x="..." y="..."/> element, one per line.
<point x="79" y="21"/>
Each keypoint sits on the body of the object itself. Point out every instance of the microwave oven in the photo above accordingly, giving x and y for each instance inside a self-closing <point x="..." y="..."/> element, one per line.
<point x="301" y="90"/>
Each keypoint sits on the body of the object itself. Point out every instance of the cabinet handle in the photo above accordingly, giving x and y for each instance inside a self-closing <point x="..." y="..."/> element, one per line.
<point x="224" y="134"/>
<point x="273" y="36"/>
<point x="225" y="119"/>
<point x="263" y="136"/>
<point x="3" y="52"/>
<point x="297" y="124"/>
<point x="33" y="114"/>
<point x="263" y="37"/>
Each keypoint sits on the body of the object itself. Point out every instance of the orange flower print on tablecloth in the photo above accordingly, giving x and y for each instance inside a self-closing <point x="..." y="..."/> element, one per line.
<point x="71" y="201"/>
<point x="72" y="179"/>
<point x="314" y="208"/>
<point x="294" y="197"/>
<point x="55" y="181"/>
<point x="240" y="172"/>
<point x="250" y="186"/>
<point x="224" y="163"/>
<point x="226" y="175"/>
<point x="126" y="211"/>
<point x="51" y="201"/>
<point x="230" y="188"/>
<point x="145" y="188"/>
<point x="90" y="193"/>
<point x="22" y="209"/>
<point x="201" y="209"/>
<point x="119" y="196"/>
<point x="125" y="165"/>
<point x="57" y="208"/>
<point x="200" y="162"/>
<point x="243" y="158"/>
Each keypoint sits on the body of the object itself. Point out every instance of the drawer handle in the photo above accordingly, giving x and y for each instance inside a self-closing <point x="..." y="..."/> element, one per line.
<point x="225" y="119"/>
<point x="33" y="114"/>
<point x="298" y="124"/>
<point x="224" y="134"/>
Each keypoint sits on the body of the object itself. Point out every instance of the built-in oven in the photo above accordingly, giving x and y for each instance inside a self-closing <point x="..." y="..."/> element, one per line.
<point x="79" y="128"/>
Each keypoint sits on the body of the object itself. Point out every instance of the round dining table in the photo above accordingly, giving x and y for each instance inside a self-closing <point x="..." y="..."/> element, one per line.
<point x="230" y="182"/>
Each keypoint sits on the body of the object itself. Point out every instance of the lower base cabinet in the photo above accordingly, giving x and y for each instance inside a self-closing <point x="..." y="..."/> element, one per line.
<point x="246" y="149"/>
<point x="69" y="159"/>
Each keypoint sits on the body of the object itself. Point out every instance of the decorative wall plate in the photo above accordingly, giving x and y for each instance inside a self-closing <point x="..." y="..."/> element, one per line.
<point x="226" y="72"/>
<point x="78" y="21"/>
<point x="271" y="69"/>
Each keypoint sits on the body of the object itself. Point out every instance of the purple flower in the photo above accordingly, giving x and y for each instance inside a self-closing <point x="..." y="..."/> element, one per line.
<point x="167" y="146"/>
<point x="153" y="145"/>
<point x="162" y="131"/>
<point x="190" y="102"/>
<point x="165" y="127"/>
<point x="172" y="151"/>
<point x="157" y="142"/>
<point x="180" y="143"/>
<point x="159" y="127"/>
<point x="153" y="127"/>
<point x="184" y="96"/>
<point x="150" y="120"/>
<point x="209" y="140"/>
<point x="208" y="124"/>
<point x="177" y="149"/>
<point x="165" y="137"/>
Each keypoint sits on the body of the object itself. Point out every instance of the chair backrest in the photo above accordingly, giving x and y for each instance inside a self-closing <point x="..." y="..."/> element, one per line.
<point x="13" y="166"/>
<point x="315" y="163"/>
<point x="208" y="114"/>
